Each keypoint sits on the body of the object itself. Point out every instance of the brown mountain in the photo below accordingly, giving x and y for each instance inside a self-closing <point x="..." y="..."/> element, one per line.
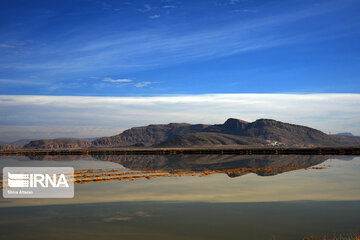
<point x="201" y="139"/>
<point x="284" y="133"/>
<point x="150" y="135"/>
<point x="262" y="132"/>
<point x="234" y="132"/>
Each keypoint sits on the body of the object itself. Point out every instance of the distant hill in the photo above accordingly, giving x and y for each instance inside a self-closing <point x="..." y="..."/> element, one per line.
<point x="21" y="142"/>
<point x="234" y="132"/>
<point x="345" y="134"/>
<point x="57" y="144"/>
<point x="347" y="140"/>
<point x="9" y="147"/>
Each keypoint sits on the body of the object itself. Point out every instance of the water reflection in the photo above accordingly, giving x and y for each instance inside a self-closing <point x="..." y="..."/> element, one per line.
<point x="263" y="165"/>
<point x="152" y="166"/>
<point x="204" y="178"/>
<point x="247" y="197"/>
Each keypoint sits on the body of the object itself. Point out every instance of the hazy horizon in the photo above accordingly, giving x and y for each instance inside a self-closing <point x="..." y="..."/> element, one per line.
<point x="36" y="117"/>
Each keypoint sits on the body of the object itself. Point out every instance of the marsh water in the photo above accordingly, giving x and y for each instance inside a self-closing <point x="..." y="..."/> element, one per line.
<point x="192" y="197"/>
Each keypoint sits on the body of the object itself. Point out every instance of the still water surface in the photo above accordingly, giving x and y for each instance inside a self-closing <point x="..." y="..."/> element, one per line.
<point x="217" y="197"/>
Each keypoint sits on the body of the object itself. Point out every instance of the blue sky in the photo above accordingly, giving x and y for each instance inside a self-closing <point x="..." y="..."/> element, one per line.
<point x="166" y="47"/>
<point x="95" y="68"/>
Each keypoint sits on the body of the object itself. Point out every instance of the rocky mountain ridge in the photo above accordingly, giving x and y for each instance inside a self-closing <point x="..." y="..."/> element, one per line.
<point x="233" y="132"/>
<point x="262" y="132"/>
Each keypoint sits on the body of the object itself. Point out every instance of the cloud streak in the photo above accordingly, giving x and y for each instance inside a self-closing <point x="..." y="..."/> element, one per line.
<point x="22" y="82"/>
<point x="123" y="80"/>
<point x="76" y="116"/>
<point x="154" y="16"/>
<point x="6" y="46"/>
<point x="142" y="84"/>
<point x="146" y="8"/>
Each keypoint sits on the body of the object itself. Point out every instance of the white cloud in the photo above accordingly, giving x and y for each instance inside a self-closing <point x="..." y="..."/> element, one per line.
<point x="123" y="80"/>
<point x="169" y="6"/>
<point x="6" y="46"/>
<point x="143" y="84"/>
<point x="78" y="116"/>
<point x="146" y="8"/>
<point x="243" y="11"/>
<point x="154" y="16"/>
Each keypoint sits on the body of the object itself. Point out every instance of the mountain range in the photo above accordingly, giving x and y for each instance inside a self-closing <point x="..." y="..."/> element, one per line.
<point x="234" y="132"/>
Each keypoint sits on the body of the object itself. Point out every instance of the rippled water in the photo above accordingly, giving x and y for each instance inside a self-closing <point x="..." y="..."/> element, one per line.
<point x="201" y="197"/>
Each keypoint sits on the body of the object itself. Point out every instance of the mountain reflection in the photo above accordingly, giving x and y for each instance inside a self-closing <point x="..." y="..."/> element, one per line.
<point x="263" y="165"/>
<point x="215" y="178"/>
<point x="155" y="166"/>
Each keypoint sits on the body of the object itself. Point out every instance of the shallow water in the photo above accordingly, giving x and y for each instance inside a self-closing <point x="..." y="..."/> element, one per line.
<point x="270" y="197"/>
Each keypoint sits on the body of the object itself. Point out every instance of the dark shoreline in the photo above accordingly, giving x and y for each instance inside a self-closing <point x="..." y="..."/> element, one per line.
<point x="171" y="151"/>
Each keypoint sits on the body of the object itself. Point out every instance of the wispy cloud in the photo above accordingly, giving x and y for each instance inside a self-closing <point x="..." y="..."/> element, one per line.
<point x="154" y="16"/>
<point x="146" y="8"/>
<point x="169" y="6"/>
<point x="142" y="84"/>
<point x="7" y="46"/>
<point x="22" y="82"/>
<point x="243" y="11"/>
<point x="232" y="2"/>
<point x="123" y="80"/>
